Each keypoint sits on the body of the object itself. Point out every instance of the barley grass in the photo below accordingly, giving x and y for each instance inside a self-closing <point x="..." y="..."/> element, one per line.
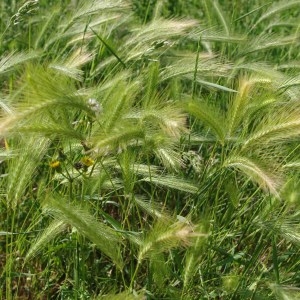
<point x="149" y="149"/>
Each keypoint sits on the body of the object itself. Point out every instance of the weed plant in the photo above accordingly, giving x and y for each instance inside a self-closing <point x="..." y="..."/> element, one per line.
<point x="149" y="149"/>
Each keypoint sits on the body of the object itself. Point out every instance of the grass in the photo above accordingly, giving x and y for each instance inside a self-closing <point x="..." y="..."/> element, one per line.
<point x="149" y="150"/>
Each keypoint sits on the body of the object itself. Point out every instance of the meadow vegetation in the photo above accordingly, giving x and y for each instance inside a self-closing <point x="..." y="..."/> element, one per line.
<point x="149" y="149"/>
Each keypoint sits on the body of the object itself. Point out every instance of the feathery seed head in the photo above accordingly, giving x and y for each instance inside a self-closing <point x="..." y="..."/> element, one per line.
<point x="26" y="9"/>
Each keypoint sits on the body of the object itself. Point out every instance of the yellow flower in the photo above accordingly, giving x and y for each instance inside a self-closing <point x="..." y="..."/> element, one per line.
<point x="55" y="164"/>
<point x="87" y="161"/>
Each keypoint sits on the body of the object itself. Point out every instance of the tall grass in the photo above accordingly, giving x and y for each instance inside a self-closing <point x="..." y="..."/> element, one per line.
<point x="149" y="150"/>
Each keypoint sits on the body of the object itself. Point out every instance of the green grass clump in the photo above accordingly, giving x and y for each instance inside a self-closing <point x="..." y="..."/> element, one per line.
<point x="149" y="150"/>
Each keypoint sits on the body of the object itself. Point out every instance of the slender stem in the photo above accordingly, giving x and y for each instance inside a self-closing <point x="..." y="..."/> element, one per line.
<point x="133" y="276"/>
<point x="76" y="267"/>
<point x="9" y="254"/>
<point x="196" y="69"/>
<point x="275" y="260"/>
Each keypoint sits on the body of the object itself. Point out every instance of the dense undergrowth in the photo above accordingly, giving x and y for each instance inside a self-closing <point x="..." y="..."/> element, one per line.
<point x="149" y="149"/>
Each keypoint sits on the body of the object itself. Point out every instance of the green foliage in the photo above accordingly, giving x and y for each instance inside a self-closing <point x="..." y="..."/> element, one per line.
<point x="149" y="149"/>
